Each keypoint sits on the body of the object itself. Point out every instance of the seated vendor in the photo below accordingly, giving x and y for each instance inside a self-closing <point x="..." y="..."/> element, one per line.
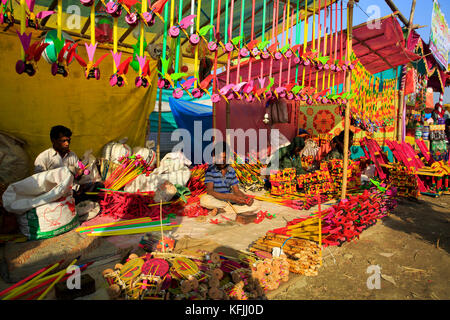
<point x="60" y="155"/>
<point x="222" y="189"/>
<point x="337" y="146"/>
<point x="289" y="156"/>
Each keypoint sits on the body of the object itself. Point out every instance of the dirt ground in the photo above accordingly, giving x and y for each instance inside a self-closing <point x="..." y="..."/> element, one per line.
<point x="411" y="247"/>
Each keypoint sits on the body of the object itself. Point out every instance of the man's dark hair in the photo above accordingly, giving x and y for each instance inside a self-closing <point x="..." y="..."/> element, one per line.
<point x="341" y="135"/>
<point x="220" y="146"/>
<point x="60" y="131"/>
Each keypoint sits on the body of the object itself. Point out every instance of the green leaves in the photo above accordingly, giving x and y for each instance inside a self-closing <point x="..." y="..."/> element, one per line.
<point x="176" y="76"/>
<point x="263" y="44"/>
<point x="236" y="40"/>
<point x="271" y="80"/>
<point x="203" y="31"/>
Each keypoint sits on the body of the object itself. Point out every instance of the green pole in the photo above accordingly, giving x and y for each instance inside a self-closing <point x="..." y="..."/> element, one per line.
<point x="297" y="35"/>
<point x="166" y="20"/>
<point x="211" y="21"/>
<point x="177" y="54"/>
<point x="226" y="21"/>
<point x="242" y="22"/>
<point x="264" y="22"/>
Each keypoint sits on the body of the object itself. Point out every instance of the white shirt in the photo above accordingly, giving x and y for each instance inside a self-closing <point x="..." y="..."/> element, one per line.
<point x="50" y="159"/>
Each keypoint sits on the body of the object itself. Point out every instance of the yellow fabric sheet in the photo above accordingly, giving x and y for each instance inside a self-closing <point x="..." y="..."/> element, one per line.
<point x="95" y="112"/>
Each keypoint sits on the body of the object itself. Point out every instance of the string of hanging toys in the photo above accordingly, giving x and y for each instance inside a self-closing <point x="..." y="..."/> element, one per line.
<point x="305" y="59"/>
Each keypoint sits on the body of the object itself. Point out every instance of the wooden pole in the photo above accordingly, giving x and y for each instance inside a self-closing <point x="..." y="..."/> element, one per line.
<point x="347" y="89"/>
<point x="411" y="18"/>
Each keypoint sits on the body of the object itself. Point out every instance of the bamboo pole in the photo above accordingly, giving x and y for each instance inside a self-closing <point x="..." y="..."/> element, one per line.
<point x="347" y="89"/>
<point x="92" y="18"/>
<point x="59" y="20"/>
<point x="23" y="20"/>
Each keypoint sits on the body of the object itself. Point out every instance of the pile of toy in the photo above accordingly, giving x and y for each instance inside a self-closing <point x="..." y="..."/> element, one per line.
<point x="302" y="256"/>
<point x="283" y="181"/>
<point x="169" y="276"/>
<point x="249" y="175"/>
<point x="196" y="183"/>
<point x="404" y="180"/>
<point x="336" y="169"/>
<point x="319" y="181"/>
<point x="342" y="222"/>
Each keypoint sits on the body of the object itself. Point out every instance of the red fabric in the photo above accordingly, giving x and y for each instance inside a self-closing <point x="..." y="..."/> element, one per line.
<point x="410" y="82"/>
<point x="244" y="115"/>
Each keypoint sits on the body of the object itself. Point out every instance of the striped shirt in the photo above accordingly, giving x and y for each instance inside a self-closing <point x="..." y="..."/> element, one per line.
<point x="221" y="183"/>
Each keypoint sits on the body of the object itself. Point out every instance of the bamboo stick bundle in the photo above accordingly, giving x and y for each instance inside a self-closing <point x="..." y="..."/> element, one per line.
<point x="130" y="168"/>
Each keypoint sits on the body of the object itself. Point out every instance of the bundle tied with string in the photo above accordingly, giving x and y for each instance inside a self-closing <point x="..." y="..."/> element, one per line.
<point x="130" y="168"/>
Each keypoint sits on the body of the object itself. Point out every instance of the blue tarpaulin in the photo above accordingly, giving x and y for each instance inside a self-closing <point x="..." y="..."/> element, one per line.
<point x="196" y="119"/>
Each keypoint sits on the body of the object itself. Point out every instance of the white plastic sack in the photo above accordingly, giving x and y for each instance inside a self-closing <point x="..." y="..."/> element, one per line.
<point x="147" y="153"/>
<point x="43" y="203"/>
<point x="114" y="150"/>
<point x="151" y="182"/>
<point x="173" y="168"/>
<point x="172" y="161"/>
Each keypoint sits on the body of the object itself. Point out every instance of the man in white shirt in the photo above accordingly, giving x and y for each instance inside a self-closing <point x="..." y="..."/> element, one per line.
<point x="60" y="155"/>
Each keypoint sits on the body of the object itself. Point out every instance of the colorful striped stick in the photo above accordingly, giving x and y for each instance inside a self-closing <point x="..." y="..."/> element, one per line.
<point x="305" y="39"/>
<point x="82" y="268"/>
<point x="252" y="34"/>
<point x="42" y="296"/>
<point x="285" y="39"/>
<point x="196" y="64"/>
<point x="274" y="31"/>
<point x="263" y="36"/>
<point x="23" y="281"/>
<point x="230" y="35"/>
<point x="325" y="44"/>
<point x="331" y="43"/>
<point x="112" y="224"/>
<point x="335" y="43"/>
<point x="27" y="285"/>
<point x="178" y="46"/>
<point x="238" y="73"/>
<point x="297" y="35"/>
<point x="290" y="43"/>
<point x="133" y="231"/>
<point x="318" y="43"/>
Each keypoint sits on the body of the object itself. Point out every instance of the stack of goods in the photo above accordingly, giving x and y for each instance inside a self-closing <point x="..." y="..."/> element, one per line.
<point x="131" y="205"/>
<point x="271" y="272"/>
<point x="344" y="221"/>
<point x="129" y="169"/>
<point x="404" y="180"/>
<point x="169" y="276"/>
<point x="316" y="182"/>
<point x="283" y="181"/>
<point x="196" y="183"/>
<point x="249" y="175"/>
<point x="336" y="169"/>
<point x="438" y="141"/>
<point x="126" y="227"/>
<point x="302" y="256"/>
<point x="436" y="177"/>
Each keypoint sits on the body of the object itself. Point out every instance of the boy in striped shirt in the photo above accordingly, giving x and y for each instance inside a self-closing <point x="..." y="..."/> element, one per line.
<point x="222" y="189"/>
